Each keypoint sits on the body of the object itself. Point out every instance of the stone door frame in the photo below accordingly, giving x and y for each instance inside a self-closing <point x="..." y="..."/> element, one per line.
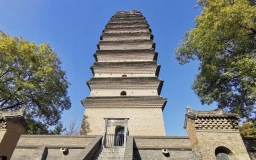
<point x="115" y="122"/>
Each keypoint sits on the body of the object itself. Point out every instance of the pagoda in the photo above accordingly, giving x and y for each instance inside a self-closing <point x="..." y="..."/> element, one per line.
<point x="125" y="86"/>
<point x="123" y="118"/>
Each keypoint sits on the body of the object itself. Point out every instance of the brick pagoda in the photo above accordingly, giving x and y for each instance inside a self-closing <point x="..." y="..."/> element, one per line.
<point x="123" y="117"/>
<point x="125" y="81"/>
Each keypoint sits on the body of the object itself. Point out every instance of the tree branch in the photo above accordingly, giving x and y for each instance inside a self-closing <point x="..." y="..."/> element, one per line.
<point x="12" y="106"/>
<point x="5" y="72"/>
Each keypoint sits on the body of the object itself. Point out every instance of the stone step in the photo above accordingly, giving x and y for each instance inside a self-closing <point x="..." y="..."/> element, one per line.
<point x="112" y="150"/>
<point x="110" y="158"/>
<point x="111" y="155"/>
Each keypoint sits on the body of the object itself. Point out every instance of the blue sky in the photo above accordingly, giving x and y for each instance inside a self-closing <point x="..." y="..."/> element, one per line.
<point x="73" y="29"/>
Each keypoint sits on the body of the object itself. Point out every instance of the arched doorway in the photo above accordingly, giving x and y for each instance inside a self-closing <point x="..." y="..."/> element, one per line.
<point x="119" y="136"/>
<point x="222" y="153"/>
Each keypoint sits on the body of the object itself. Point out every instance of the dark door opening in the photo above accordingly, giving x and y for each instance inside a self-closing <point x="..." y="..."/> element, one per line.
<point x="119" y="136"/>
<point x="222" y="153"/>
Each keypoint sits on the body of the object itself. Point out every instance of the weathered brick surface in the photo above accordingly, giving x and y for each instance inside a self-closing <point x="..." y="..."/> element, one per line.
<point x="44" y="140"/>
<point x="132" y="29"/>
<point x="11" y="138"/>
<point x="156" y="154"/>
<point x="142" y="121"/>
<point x="250" y="144"/>
<point x="128" y="154"/>
<point x="252" y="155"/>
<point x="90" y="149"/>
<point x="54" y="154"/>
<point x="126" y="46"/>
<point x="127" y="36"/>
<point x="162" y="142"/>
<point x="129" y="92"/>
<point x="23" y="153"/>
<point x="124" y="57"/>
<point x="209" y="130"/>
<point x="39" y="153"/>
<point x="150" y="148"/>
<point x="208" y="141"/>
<point x="191" y="130"/>
<point x="28" y="146"/>
<point x="2" y="132"/>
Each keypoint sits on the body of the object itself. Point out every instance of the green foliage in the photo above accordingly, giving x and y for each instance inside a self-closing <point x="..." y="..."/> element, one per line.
<point x="223" y="40"/>
<point x="59" y="129"/>
<point x="248" y="129"/>
<point x="36" y="127"/>
<point x="31" y="77"/>
<point x="85" y="126"/>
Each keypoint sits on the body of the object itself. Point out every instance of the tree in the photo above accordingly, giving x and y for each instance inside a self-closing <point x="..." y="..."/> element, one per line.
<point x="85" y="126"/>
<point x="248" y="129"/>
<point x="36" y="127"/>
<point x="223" y="40"/>
<point x="72" y="128"/>
<point x="59" y="129"/>
<point x="31" y="78"/>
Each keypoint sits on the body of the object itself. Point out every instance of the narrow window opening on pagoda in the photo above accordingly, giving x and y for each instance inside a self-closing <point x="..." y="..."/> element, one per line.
<point x="124" y="75"/>
<point x="154" y="46"/>
<point x="123" y="93"/>
<point x="152" y="37"/>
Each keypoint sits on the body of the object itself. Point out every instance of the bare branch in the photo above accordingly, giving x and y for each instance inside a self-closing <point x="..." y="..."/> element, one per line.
<point x="72" y="128"/>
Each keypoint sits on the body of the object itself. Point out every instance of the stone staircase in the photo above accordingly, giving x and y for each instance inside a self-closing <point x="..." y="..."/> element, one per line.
<point x="115" y="153"/>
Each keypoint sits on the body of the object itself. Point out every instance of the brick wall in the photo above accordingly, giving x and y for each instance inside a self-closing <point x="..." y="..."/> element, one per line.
<point x="162" y="142"/>
<point x="2" y="132"/>
<point x="125" y="57"/>
<point x="142" y="121"/>
<point x="29" y="144"/>
<point x="129" y="92"/>
<point x="250" y="144"/>
<point x="210" y="140"/>
<point x="191" y="130"/>
<point x="11" y="138"/>
<point x="150" y="147"/>
<point x="44" y="140"/>
<point x="126" y="46"/>
<point x="156" y="154"/>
